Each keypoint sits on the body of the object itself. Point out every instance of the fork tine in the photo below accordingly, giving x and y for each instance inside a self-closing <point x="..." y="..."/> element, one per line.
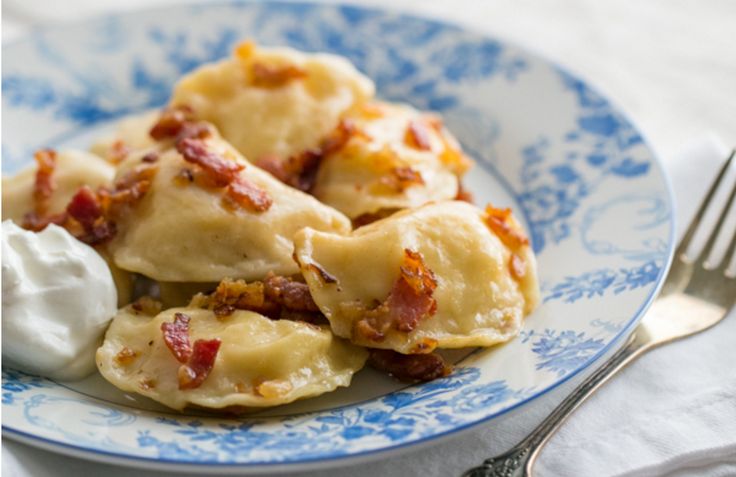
<point x="695" y="223"/>
<point x="708" y="248"/>
<point x="729" y="257"/>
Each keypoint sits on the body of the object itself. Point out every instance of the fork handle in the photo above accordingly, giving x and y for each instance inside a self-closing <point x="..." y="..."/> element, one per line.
<point x="518" y="461"/>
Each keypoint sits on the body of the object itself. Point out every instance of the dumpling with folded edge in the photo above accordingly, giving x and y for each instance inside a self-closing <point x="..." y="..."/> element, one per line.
<point x="191" y="357"/>
<point x="395" y="158"/>
<point x="273" y="101"/>
<point x="71" y="170"/>
<point x="209" y="214"/>
<point x="444" y="275"/>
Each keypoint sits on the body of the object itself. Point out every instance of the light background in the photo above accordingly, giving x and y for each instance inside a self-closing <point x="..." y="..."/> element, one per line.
<point x="671" y="64"/>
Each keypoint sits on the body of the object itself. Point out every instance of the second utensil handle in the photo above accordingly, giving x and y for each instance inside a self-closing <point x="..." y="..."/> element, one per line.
<point x="519" y="460"/>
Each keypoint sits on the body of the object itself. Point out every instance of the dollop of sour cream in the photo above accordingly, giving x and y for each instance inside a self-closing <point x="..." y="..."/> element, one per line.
<point x="58" y="298"/>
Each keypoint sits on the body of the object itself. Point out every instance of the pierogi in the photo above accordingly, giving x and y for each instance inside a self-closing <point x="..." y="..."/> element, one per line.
<point x="273" y="101"/>
<point x="435" y="276"/>
<point x="260" y="362"/>
<point x="396" y="158"/>
<point x="73" y="169"/>
<point x="183" y="231"/>
<point x="291" y="227"/>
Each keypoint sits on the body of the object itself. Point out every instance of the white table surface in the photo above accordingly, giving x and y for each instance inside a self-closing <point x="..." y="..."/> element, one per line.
<point x="671" y="64"/>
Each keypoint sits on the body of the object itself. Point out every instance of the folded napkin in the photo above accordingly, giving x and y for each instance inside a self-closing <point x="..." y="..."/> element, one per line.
<point x="673" y="412"/>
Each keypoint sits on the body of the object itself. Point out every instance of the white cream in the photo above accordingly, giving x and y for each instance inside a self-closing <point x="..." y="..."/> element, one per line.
<point x="58" y="298"/>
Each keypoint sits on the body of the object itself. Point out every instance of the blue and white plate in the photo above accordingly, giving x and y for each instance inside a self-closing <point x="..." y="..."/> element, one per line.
<point x="592" y="195"/>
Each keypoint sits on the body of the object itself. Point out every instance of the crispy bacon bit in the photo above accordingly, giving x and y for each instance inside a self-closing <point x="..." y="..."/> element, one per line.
<point x="409" y="367"/>
<point x="125" y="356"/>
<point x="245" y="50"/>
<point x="95" y="212"/>
<point x="517" y="266"/>
<point x="409" y="301"/>
<point x="170" y="122"/>
<point x="322" y="273"/>
<point x="369" y="330"/>
<point x="150" y="157"/>
<point x="275" y="76"/>
<point x="147" y="306"/>
<point x="244" y="193"/>
<point x="300" y="171"/>
<point x="336" y="140"/>
<point x="118" y="152"/>
<point x="192" y="374"/>
<point x="416" y="274"/>
<point x="221" y="170"/>
<point x="44" y="185"/>
<point x="273" y="388"/>
<point x="130" y="188"/>
<point x="400" y="178"/>
<point x="84" y="207"/>
<point x="276" y="297"/>
<point x="417" y="136"/>
<point x="198" y="360"/>
<point x="222" y="311"/>
<point x="464" y="194"/>
<point x="370" y="217"/>
<point x="290" y="294"/>
<point x="231" y="295"/>
<point x="499" y="221"/>
<point x="176" y="337"/>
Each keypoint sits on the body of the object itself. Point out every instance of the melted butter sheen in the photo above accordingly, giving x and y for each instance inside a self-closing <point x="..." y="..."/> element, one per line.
<point x="261" y="362"/>
<point x="351" y="179"/>
<point x="478" y="301"/>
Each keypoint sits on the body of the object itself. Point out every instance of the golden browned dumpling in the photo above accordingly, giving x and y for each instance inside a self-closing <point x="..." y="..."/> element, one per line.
<point x="73" y="169"/>
<point x="397" y="158"/>
<point x="273" y="101"/>
<point x="244" y="360"/>
<point x="209" y="214"/>
<point x="444" y="275"/>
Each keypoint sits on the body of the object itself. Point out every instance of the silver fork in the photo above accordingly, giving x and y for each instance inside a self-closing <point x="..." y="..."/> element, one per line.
<point x="696" y="295"/>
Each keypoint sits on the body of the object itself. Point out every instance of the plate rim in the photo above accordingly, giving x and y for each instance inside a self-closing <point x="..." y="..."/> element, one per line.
<point x="311" y="463"/>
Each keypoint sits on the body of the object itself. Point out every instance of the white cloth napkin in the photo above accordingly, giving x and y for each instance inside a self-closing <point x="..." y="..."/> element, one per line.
<point x="671" y="413"/>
